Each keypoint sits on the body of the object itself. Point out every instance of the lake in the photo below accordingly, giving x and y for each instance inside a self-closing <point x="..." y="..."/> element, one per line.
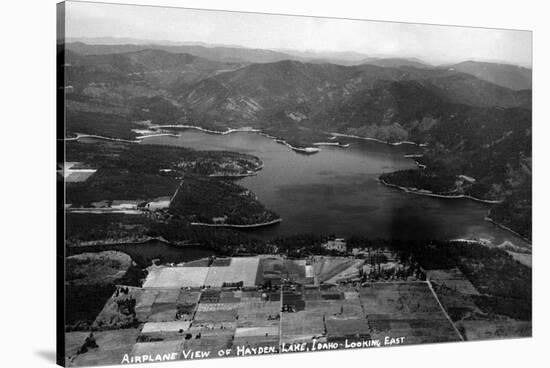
<point x="336" y="191"/>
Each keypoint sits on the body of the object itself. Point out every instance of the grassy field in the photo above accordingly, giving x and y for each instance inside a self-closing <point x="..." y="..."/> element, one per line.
<point x="453" y="279"/>
<point x="487" y="330"/>
<point x="97" y="268"/>
<point x="406" y="309"/>
<point x="482" y="317"/>
<point x="176" y="277"/>
<point x="237" y="270"/>
<point x="90" y="283"/>
<point x="112" y="345"/>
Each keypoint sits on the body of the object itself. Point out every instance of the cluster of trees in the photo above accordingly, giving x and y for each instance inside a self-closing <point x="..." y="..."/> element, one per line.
<point x="490" y="144"/>
<point x="127" y="306"/>
<point x="201" y="199"/>
<point x="114" y="184"/>
<point x="98" y="123"/>
<point x="76" y="269"/>
<point x="515" y="211"/>
<point x="437" y="182"/>
<point x="97" y="227"/>
<point x="491" y="270"/>
<point x="300" y="245"/>
<point x="132" y="171"/>
<point x="222" y="241"/>
<point x="84" y="302"/>
<point x="516" y="308"/>
<point x="155" y="108"/>
<point x="396" y="273"/>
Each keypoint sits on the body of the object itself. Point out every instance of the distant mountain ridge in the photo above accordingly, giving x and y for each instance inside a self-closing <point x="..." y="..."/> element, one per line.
<point x="224" y="53"/>
<point x="337" y="57"/>
<point x="158" y="66"/>
<point x="505" y="75"/>
<point x="220" y="54"/>
<point x="396" y="62"/>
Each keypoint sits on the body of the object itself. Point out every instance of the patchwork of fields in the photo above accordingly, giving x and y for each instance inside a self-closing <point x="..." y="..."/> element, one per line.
<point x="187" y="308"/>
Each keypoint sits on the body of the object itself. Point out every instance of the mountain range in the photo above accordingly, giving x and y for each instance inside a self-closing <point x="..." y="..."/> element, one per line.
<point x="510" y="76"/>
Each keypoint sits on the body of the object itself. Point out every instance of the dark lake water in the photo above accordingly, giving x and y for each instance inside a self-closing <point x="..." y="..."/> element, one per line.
<point x="336" y="191"/>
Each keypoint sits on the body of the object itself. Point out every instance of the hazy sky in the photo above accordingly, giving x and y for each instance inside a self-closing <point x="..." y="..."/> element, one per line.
<point x="435" y="44"/>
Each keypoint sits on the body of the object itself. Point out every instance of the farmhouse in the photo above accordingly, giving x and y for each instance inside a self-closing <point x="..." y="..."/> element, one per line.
<point x="335" y="244"/>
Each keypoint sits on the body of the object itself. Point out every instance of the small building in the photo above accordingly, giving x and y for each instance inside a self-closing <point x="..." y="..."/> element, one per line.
<point x="335" y="244"/>
<point x="469" y="179"/>
<point x="219" y="220"/>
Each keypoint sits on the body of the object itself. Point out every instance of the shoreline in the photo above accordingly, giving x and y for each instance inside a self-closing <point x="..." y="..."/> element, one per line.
<point x="100" y="211"/>
<point x="79" y="135"/>
<point x="422" y="166"/>
<point x="503" y="227"/>
<point x="185" y="126"/>
<point x="139" y="139"/>
<point x="521" y="255"/>
<point x="334" y="134"/>
<point x="249" y="173"/>
<point x="333" y="144"/>
<point x="430" y="194"/>
<point x="307" y="150"/>
<point x="141" y="240"/>
<point x="488" y="243"/>
<point x="233" y="175"/>
<point x="157" y="135"/>
<point x="251" y="226"/>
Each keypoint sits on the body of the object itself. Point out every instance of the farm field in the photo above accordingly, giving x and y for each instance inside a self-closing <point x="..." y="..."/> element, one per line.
<point x="174" y="320"/>
<point x="406" y="309"/>
<point x="176" y="277"/>
<point x="190" y="307"/>
<point x="112" y="345"/>
<point x="75" y="176"/>
<point x="481" y="317"/>
<point x="453" y="279"/>
<point x="239" y="270"/>
<point x="483" y="329"/>
<point x="236" y="270"/>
